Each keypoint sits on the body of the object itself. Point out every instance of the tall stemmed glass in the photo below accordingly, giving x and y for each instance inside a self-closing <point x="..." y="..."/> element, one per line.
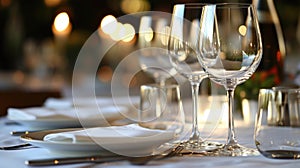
<point x="230" y="51"/>
<point x="152" y="42"/>
<point x="183" y="55"/>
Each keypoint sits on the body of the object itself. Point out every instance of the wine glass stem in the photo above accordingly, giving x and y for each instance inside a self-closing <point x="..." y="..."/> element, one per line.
<point x="231" y="133"/>
<point x="160" y="81"/>
<point x="195" y="91"/>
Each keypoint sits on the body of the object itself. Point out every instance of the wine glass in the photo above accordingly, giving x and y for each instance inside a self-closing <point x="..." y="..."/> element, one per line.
<point x="183" y="55"/>
<point x="230" y="49"/>
<point x="152" y="43"/>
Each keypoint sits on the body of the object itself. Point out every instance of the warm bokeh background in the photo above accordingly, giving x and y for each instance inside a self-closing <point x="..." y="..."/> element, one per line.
<point x="33" y="57"/>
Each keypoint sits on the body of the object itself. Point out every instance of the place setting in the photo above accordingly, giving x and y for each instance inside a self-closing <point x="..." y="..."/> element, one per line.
<point x="108" y="138"/>
<point x="103" y="129"/>
<point x="61" y="113"/>
<point x="135" y="142"/>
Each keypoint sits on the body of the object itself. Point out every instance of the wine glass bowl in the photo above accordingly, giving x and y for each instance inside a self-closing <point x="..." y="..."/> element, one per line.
<point x="230" y="50"/>
<point x="230" y="45"/>
<point x="152" y="43"/>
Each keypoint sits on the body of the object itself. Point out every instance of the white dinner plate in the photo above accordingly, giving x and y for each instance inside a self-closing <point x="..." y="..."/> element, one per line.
<point x="137" y="148"/>
<point x="37" y="139"/>
<point x="59" y="123"/>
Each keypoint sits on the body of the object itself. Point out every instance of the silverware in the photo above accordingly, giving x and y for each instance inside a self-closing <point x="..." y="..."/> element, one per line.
<point x="102" y="159"/>
<point x="11" y="123"/>
<point x="18" y="133"/>
<point x="17" y="147"/>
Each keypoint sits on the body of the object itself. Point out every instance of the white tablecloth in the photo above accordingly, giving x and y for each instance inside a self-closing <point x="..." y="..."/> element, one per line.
<point x="16" y="158"/>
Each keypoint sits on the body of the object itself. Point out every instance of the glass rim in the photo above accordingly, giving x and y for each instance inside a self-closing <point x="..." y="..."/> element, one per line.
<point x="233" y="5"/>
<point x="155" y="85"/>
<point x="218" y="5"/>
<point x="193" y="5"/>
<point x="286" y="88"/>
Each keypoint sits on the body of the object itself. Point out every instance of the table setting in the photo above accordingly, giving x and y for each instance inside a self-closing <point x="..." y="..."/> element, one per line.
<point x="60" y="113"/>
<point x="217" y="42"/>
<point x="18" y="158"/>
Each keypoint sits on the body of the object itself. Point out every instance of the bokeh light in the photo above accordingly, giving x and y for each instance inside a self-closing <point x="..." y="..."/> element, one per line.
<point x="243" y="30"/>
<point x="118" y="33"/>
<point x="105" y="73"/>
<point x="108" y="24"/>
<point x="133" y="6"/>
<point x="129" y="32"/>
<point x="61" y="21"/>
<point x="52" y="3"/>
<point x="148" y="34"/>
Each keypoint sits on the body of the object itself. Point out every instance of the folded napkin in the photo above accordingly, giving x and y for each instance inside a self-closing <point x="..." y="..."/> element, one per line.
<point x="58" y="103"/>
<point x="131" y="133"/>
<point x="34" y="113"/>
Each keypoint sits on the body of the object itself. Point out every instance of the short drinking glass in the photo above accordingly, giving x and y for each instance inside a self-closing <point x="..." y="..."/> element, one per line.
<point x="277" y="127"/>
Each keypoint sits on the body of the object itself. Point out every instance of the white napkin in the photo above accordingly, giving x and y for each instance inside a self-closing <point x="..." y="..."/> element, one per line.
<point x="131" y="133"/>
<point x="58" y="103"/>
<point x="34" y="113"/>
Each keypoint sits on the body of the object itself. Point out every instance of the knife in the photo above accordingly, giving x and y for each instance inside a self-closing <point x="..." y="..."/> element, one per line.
<point x="73" y="160"/>
<point x="102" y="159"/>
<point x="18" y="133"/>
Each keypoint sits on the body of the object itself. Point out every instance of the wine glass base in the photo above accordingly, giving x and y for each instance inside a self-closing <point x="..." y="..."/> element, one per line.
<point x="235" y="150"/>
<point x="200" y="147"/>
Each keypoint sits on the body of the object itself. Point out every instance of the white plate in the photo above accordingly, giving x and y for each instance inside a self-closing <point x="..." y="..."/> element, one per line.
<point x="36" y="139"/>
<point x="143" y="147"/>
<point x="58" y="123"/>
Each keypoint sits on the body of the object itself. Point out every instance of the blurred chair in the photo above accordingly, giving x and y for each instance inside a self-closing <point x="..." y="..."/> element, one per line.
<point x="21" y="98"/>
